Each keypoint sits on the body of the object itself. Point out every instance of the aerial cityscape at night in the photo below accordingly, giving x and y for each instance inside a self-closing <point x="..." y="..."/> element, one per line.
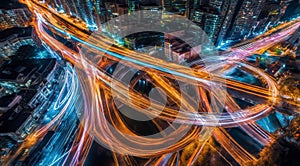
<point x="150" y="82"/>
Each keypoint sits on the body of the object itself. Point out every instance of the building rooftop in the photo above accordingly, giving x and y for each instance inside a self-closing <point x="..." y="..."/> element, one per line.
<point x="5" y="101"/>
<point x="20" y="71"/>
<point x="14" y="118"/>
<point x="11" y="32"/>
<point x="11" y="121"/>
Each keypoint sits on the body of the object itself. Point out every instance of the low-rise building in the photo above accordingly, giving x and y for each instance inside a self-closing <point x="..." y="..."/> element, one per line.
<point x="34" y="82"/>
<point x="177" y="50"/>
<point x="12" y="39"/>
<point x="15" y="18"/>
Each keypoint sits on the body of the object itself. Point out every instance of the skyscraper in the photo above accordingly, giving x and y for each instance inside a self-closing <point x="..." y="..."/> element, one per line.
<point x="244" y="18"/>
<point x="239" y="19"/>
<point x="208" y="15"/>
<point x="271" y="14"/>
<point x="231" y="21"/>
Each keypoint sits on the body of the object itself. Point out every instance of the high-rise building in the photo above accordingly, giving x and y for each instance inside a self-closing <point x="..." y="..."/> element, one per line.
<point x="233" y="21"/>
<point x="208" y="15"/>
<point x="271" y="14"/>
<point x="227" y="12"/>
<point x="223" y="21"/>
<point x="244" y="19"/>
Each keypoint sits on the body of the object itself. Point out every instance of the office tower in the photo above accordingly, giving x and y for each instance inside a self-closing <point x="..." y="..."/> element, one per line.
<point x="271" y="14"/>
<point x="208" y="15"/>
<point x="244" y="19"/>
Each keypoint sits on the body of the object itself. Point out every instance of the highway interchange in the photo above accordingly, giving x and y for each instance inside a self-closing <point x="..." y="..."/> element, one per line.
<point x="197" y="119"/>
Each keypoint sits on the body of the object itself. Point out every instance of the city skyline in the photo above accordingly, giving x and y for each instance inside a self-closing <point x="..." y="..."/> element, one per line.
<point x="150" y="82"/>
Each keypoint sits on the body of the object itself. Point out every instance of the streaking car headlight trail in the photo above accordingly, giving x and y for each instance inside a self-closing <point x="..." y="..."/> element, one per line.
<point x="115" y="91"/>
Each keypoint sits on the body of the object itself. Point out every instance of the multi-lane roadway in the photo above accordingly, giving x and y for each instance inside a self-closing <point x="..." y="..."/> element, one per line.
<point x="101" y="119"/>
